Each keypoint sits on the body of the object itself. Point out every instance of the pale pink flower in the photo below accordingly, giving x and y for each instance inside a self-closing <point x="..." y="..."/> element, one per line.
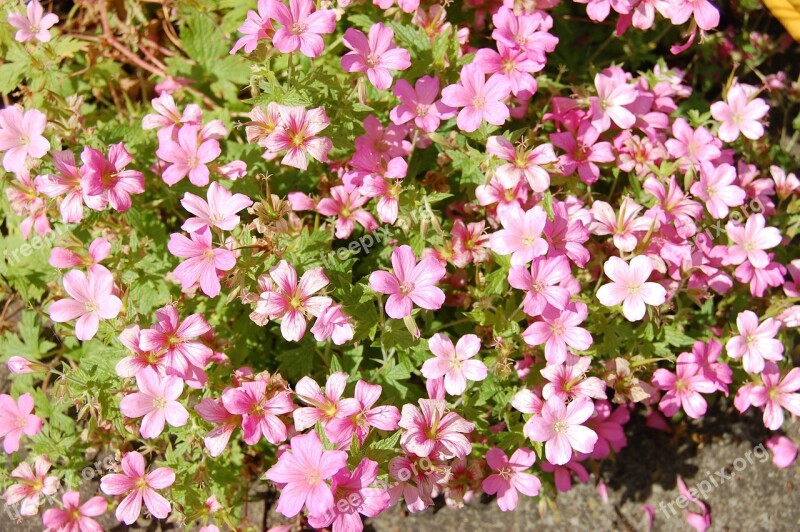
<point x="683" y="390"/>
<point x="375" y="55"/>
<point x="479" y="99"/>
<point x="675" y="205"/>
<point x="625" y="226"/>
<point x="542" y="284"/>
<point x="509" y="476"/>
<point x="297" y="134"/>
<point x="700" y="522"/>
<point x="63" y="258"/>
<point x="565" y="235"/>
<point x="521" y="162"/>
<point x="411" y="284"/>
<point x="130" y="365"/>
<point x="334" y="324"/>
<point x="203" y="261"/>
<point x="750" y="240"/>
<point x="598" y="10"/>
<point x="213" y="411"/>
<point x="75" y="517"/>
<point x="755" y="342"/>
<point x="259" y="413"/>
<point x="302" y="471"/>
<point x="34" y="25"/>
<point x="189" y="155"/>
<point x="352" y="496"/>
<point x="527" y="32"/>
<point x="420" y="104"/>
<point x="583" y="152"/>
<point x="302" y="26"/>
<point x="613" y="94"/>
<point x="559" y="329"/>
<point x="256" y="27"/>
<point x="777" y="394"/>
<point x="717" y="189"/>
<point x="704" y="359"/>
<point x="569" y="380"/>
<point x="521" y="235"/>
<point x="108" y="177"/>
<point x="16" y="419"/>
<point x="67" y="183"/>
<point x="326" y="405"/>
<point x="527" y="402"/>
<point x="785" y="184"/>
<point x="219" y="211"/>
<point x="512" y="64"/>
<point x="32" y="484"/>
<point x="679" y="11"/>
<point x="291" y="300"/>
<point x="432" y="432"/>
<point x="137" y="485"/>
<point x="784" y="450"/>
<point x="469" y="243"/>
<point x="692" y="146"/>
<point x="453" y="363"/>
<point x="739" y="115"/>
<point x="168" y="119"/>
<point x="348" y="207"/>
<point x="366" y="416"/>
<point x="386" y="142"/>
<point x="156" y="402"/>
<point x="630" y="287"/>
<point x="561" y="427"/>
<point x="417" y="480"/>
<point x="91" y="299"/>
<point x="21" y="137"/>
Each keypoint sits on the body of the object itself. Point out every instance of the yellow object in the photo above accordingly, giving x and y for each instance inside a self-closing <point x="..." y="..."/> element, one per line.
<point x="788" y="12"/>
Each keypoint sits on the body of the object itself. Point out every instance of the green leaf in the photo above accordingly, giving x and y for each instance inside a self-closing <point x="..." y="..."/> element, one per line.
<point x="203" y="41"/>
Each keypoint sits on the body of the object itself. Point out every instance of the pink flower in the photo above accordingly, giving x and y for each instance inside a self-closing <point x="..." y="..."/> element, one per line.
<point x="430" y="432"/>
<point x="527" y="32"/>
<point x="521" y="236"/>
<point x="259" y="413"/>
<point x="303" y="471"/>
<point x="683" y="390"/>
<point x="453" y="363"/>
<point x="301" y="28"/>
<point x="512" y="64"/>
<point x="717" y="189"/>
<point x="582" y="152"/>
<point x="334" y="324"/>
<point x="189" y="155"/>
<point x="386" y="142"/>
<point x="353" y="496"/>
<point x="292" y="301"/>
<point x="700" y="522"/>
<point x="156" y="401"/>
<point x="411" y="284"/>
<point x="569" y="380"/>
<point x="609" y="428"/>
<point x="542" y="284"/>
<point x="220" y="210"/>
<point x="776" y="394"/>
<point x="297" y="133"/>
<point x="99" y="250"/>
<point x="203" y="261"/>
<point x="420" y="104"/>
<point x="704" y="359"/>
<point x="755" y="343"/>
<point x="138" y="486"/>
<point x="739" y="114"/>
<point x="256" y="27"/>
<point x="690" y="145"/>
<point x="479" y="99"/>
<point x="784" y="450"/>
<point x="561" y="427"/>
<point x="679" y="11"/>
<point x="348" y="206"/>
<point x="624" y="226"/>
<point x="565" y="235"/>
<point x="559" y="329"/>
<point x="167" y="119"/>
<point x="630" y="287"/>
<point x="325" y="406"/>
<point x="785" y="184"/>
<point x="35" y="26"/>
<point x="510" y="476"/>
<point x="375" y="56"/>
<point x="213" y="411"/>
<point x="521" y="163"/>
<point x="562" y="474"/>
<point x="21" y="137"/>
<point x="67" y="182"/>
<point x="32" y="484"/>
<point x="367" y="415"/>
<point x="91" y="299"/>
<point x="613" y="94"/>
<point x="75" y="516"/>
<point x="108" y="177"/>
<point x="750" y="240"/>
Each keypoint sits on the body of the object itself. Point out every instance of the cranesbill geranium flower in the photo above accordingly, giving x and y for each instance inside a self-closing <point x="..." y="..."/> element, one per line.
<point x="156" y="402"/>
<point x="526" y="31"/>
<point x="75" y="516"/>
<point x="521" y="162"/>
<point x="219" y="211"/>
<point x="34" y="25"/>
<point x="624" y="226"/>
<point x="202" y="262"/>
<point x="559" y="329"/>
<point x="302" y="26"/>
<point x="16" y="419"/>
<point x="32" y="484"/>
<point x="521" y="235"/>
<point x="561" y="427"/>
<point x="334" y="324"/>
<point x="259" y="412"/>
<point x="108" y="177"/>
<point x="511" y="63"/>
<point x="454" y="363"/>
<point x="630" y="287"/>
<point x="569" y="380"/>
<point x="739" y="115"/>
<point x="375" y="55"/>
<point x="256" y="27"/>
<point x="542" y="284"/>
<point x="348" y="207"/>
<point x="420" y="104"/>
<point x="683" y="390"/>
<point x="717" y="189"/>
<point x="509" y="476"/>
<point x="325" y="405"/>
<point x="91" y="299"/>
<point x="431" y="431"/>
<point x="213" y="411"/>
<point x="297" y="134"/>
<point x="613" y="94"/>
<point x="583" y="152"/>
<point x="479" y="99"/>
<point x="367" y="415"/>
<point x="411" y="284"/>
<point x="21" y="137"/>
<point x="303" y="471"/>
<point x="188" y="155"/>
<point x="692" y="146"/>
<point x="777" y="394"/>
<point x="137" y="485"/>
<point x="755" y="342"/>
<point x="750" y="240"/>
